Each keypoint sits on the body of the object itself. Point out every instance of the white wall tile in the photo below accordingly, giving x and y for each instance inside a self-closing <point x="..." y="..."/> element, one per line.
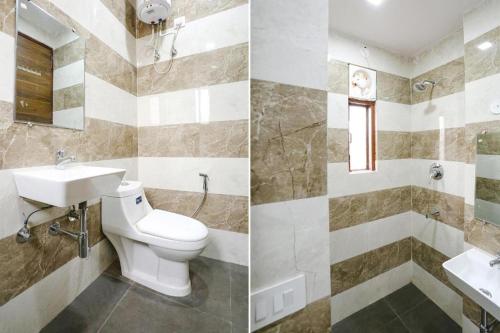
<point x="7" y="64"/>
<point x="338" y="110"/>
<point x="107" y="102"/>
<point x="96" y="18"/>
<point x="480" y="94"/>
<point x="226" y="28"/>
<point x="440" y="236"/>
<point x="227" y="175"/>
<point x="487" y="211"/>
<point x="481" y="20"/>
<point x="229" y="101"/>
<point x="288" y="238"/>
<point x="348" y="49"/>
<point x="443" y="112"/>
<point x="389" y="174"/>
<point x="368" y="292"/>
<point x="35" y="307"/>
<point x="470" y="183"/>
<point x="227" y="246"/>
<point x="449" y="301"/>
<point x="451" y="183"/>
<point x="290" y="42"/>
<point x="350" y="242"/>
<point x="468" y="326"/>
<point x="447" y="49"/>
<point x="393" y="117"/>
<point x="69" y="75"/>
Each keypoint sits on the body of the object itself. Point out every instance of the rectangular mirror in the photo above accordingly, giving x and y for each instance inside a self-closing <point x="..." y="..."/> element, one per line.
<point x="487" y="202"/>
<point x="50" y="70"/>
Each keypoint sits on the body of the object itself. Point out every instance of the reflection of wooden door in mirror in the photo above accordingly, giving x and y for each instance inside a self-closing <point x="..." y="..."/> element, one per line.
<point x="33" y="80"/>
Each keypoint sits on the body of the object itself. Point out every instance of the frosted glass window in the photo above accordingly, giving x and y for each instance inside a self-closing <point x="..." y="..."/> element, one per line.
<point x="361" y="135"/>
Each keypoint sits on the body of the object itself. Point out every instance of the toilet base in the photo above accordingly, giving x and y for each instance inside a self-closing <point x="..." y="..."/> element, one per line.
<point x="141" y="264"/>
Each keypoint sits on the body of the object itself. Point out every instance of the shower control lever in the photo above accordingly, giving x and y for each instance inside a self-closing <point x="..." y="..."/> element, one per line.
<point x="436" y="171"/>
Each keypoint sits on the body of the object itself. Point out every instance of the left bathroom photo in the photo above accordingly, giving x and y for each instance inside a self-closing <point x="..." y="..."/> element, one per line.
<point x="124" y="166"/>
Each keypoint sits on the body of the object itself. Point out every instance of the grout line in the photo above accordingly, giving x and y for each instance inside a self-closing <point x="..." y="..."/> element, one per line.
<point x="114" y="308"/>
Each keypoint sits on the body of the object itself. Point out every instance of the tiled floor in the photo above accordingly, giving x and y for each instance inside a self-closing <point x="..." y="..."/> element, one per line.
<point x="218" y="304"/>
<point x="407" y="310"/>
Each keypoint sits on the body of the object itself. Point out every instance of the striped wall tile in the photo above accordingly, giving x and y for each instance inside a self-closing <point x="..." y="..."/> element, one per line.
<point x="482" y="63"/>
<point x="356" y="270"/>
<point x="446" y="144"/>
<point x="348" y="211"/>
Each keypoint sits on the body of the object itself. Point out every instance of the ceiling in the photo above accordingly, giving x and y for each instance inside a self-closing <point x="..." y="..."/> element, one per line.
<point x="401" y="26"/>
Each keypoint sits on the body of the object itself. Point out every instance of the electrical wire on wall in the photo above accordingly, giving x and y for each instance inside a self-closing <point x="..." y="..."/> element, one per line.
<point x="156" y="42"/>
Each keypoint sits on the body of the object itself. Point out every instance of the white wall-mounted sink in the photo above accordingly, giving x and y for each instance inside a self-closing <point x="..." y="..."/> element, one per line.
<point x="66" y="187"/>
<point x="471" y="273"/>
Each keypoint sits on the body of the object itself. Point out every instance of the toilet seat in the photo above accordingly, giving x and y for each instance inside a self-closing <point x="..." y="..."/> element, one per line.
<point x="172" y="226"/>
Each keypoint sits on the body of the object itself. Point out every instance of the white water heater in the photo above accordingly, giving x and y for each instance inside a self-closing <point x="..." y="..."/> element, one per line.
<point x="153" y="11"/>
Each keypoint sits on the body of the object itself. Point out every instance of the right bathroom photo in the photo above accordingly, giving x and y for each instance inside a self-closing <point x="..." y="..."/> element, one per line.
<point x="375" y="166"/>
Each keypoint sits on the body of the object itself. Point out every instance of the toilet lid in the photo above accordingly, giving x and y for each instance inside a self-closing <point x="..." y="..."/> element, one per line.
<point x="172" y="226"/>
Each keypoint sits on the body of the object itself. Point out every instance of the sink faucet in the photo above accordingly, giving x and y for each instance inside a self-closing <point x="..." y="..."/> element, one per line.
<point x="495" y="261"/>
<point x="62" y="159"/>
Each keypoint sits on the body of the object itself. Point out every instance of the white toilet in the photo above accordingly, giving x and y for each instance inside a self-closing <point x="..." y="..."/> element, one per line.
<point x="154" y="246"/>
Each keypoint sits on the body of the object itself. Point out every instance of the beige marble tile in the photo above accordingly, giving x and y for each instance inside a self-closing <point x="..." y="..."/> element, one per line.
<point x="338" y="145"/>
<point x="449" y="80"/>
<point x="70" y="97"/>
<point x="314" y="318"/>
<point x="356" y="270"/>
<point x="356" y="209"/>
<point x="124" y="12"/>
<point x="473" y="311"/>
<point x="482" y="63"/>
<point x="431" y="260"/>
<point x="224" y="65"/>
<point x="8" y="17"/>
<point x="224" y="212"/>
<point x="338" y="77"/>
<point x="434" y="144"/>
<point x="392" y="145"/>
<point x="22" y="265"/>
<point x="288" y="150"/>
<point x="69" y="53"/>
<point x="484" y="235"/>
<point x="6" y="115"/>
<point x="216" y="139"/>
<point x="490" y="144"/>
<point x="451" y="207"/>
<point x="471" y="132"/>
<point x="21" y="146"/>
<point x="106" y="64"/>
<point x="393" y="88"/>
<point x="192" y="10"/>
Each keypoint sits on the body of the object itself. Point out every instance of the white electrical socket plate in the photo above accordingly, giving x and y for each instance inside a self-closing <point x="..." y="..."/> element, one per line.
<point x="272" y="299"/>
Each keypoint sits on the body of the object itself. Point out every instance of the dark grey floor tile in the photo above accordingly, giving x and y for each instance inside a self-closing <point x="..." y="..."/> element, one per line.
<point x="239" y="329"/>
<point x="142" y="310"/>
<point x="369" y="319"/>
<point x="395" y="326"/>
<point x="89" y="310"/>
<point x="429" y="318"/>
<point x="210" y="282"/>
<point x="115" y="271"/>
<point x="239" y="296"/>
<point x="405" y="299"/>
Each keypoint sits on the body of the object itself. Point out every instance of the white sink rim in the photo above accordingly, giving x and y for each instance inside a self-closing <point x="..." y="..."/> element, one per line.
<point x="467" y="273"/>
<point x="68" y="186"/>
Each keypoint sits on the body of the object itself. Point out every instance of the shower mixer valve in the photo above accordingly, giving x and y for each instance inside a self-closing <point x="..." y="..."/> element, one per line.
<point x="436" y="171"/>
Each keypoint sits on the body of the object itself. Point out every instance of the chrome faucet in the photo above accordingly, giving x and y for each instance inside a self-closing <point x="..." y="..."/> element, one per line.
<point x="495" y="261"/>
<point x="62" y="159"/>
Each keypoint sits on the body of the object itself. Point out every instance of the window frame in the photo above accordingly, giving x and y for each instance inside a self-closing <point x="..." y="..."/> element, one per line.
<point x="371" y="137"/>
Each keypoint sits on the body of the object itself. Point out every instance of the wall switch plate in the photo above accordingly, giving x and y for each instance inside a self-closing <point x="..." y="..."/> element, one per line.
<point x="277" y="301"/>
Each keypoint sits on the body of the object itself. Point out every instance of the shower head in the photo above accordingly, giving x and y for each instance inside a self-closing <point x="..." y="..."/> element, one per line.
<point x="422" y="85"/>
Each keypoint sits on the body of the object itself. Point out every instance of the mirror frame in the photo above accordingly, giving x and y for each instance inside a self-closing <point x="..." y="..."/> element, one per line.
<point x="31" y="123"/>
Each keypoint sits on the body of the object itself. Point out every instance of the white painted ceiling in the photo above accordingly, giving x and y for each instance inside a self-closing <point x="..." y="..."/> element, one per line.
<point x="401" y="26"/>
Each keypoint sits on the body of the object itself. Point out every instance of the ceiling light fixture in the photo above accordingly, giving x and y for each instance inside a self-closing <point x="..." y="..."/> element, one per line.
<point x="484" y="46"/>
<point x="23" y="5"/>
<point x="375" y="2"/>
